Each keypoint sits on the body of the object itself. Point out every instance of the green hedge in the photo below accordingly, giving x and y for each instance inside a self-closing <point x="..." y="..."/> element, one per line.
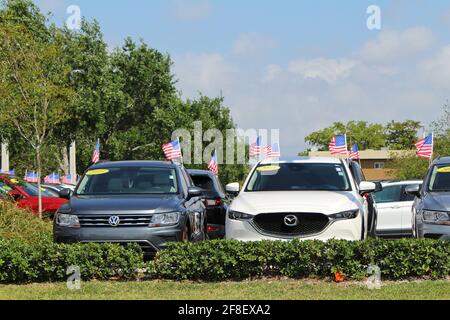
<point x="232" y="260"/>
<point x="46" y="261"/>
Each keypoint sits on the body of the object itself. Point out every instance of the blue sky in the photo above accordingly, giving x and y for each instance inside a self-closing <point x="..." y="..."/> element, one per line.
<point x="293" y="65"/>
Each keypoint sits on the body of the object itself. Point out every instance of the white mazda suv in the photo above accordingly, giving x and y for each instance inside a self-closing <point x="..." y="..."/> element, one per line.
<point x="306" y="198"/>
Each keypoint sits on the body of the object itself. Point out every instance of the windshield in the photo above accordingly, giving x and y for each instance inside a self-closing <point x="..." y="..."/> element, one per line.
<point x="33" y="191"/>
<point x="129" y="180"/>
<point x="299" y="176"/>
<point x="440" y="179"/>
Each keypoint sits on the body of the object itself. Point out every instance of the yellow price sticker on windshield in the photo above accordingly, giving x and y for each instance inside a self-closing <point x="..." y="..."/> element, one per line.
<point x="268" y="168"/>
<point x="97" y="172"/>
<point x="444" y="170"/>
<point x="15" y="181"/>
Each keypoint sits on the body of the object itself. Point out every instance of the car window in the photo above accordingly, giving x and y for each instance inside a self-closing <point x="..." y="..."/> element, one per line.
<point x="129" y="180"/>
<point x="4" y="187"/>
<point x="357" y="173"/>
<point x="389" y="194"/>
<point x="33" y="191"/>
<point x="299" y="176"/>
<point x="440" y="179"/>
<point x="204" y="182"/>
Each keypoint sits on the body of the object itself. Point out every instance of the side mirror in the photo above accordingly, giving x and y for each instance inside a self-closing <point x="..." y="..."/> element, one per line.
<point x="194" y="192"/>
<point x="379" y="187"/>
<point x="233" y="188"/>
<point x="367" y="187"/>
<point x="65" y="194"/>
<point x="16" y="195"/>
<point x="413" y="189"/>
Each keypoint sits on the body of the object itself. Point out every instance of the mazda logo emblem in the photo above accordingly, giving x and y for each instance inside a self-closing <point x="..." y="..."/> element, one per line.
<point x="114" y="221"/>
<point x="291" y="221"/>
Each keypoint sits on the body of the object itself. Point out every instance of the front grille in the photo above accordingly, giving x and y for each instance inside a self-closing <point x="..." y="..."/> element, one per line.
<point x="274" y="224"/>
<point x="126" y="220"/>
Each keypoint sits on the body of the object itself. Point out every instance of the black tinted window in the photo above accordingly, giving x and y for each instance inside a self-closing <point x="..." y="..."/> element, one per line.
<point x="299" y="176"/>
<point x="204" y="182"/>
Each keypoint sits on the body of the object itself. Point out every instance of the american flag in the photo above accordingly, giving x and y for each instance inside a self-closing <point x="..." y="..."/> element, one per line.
<point x="172" y="150"/>
<point x="213" y="165"/>
<point x="255" y="148"/>
<point x="425" y="147"/>
<point x="273" y="151"/>
<point x="354" y="154"/>
<point x="67" y="179"/>
<point x="31" y="177"/>
<point x="338" y="144"/>
<point x="52" y="179"/>
<point x="96" y="153"/>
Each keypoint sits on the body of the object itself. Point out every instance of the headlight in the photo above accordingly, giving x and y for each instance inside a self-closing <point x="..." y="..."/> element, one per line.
<point x="345" y="215"/>
<point x="67" y="220"/>
<point x="435" y="216"/>
<point x="164" y="219"/>
<point x="235" y="215"/>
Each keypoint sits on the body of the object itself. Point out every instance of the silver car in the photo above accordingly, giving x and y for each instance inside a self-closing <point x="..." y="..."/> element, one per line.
<point x="431" y="208"/>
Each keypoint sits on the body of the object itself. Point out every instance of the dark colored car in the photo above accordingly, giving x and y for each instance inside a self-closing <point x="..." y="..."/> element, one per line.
<point x="431" y="208"/>
<point x="26" y="195"/>
<point x="214" y="199"/>
<point x="358" y="175"/>
<point x="146" y="202"/>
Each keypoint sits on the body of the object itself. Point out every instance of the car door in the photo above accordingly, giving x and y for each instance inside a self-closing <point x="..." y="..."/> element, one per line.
<point x="407" y="203"/>
<point x="195" y="207"/>
<point x="390" y="210"/>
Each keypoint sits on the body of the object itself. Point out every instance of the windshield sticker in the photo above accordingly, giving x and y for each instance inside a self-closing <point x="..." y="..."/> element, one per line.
<point x="444" y="170"/>
<point x="5" y="188"/>
<point x="14" y="181"/>
<point x="97" y="172"/>
<point x="268" y="168"/>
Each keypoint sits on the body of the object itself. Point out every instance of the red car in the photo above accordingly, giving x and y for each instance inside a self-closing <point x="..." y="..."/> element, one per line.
<point x="26" y="195"/>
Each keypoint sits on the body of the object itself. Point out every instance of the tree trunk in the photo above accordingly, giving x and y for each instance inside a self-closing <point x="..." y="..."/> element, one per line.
<point x="39" y="170"/>
<point x="64" y="163"/>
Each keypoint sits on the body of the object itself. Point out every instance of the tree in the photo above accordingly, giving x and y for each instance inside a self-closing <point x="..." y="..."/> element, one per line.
<point x="402" y="135"/>
<point x="32" y="90"/>
<point x="408" y="167"/>
<point x="367" y="136"/>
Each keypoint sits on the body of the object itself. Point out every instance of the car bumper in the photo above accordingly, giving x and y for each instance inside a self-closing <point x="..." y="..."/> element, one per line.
<point x="151" y="240"/>
<point x="434" y="231"/>
<point x="341" y="230"/>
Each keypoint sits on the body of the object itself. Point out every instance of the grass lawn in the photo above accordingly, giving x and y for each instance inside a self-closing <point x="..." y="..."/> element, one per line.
<point x="260" y="290"/>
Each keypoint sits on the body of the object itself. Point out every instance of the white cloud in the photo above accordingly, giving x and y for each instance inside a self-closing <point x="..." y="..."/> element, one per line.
<point x="248" y="44"/>
<point x="271" y="72"/>
<point x="206" y="73"/>
<point x="328" y="70"/>
<point x="392" y="44"/>
<point x="191" y="10"/>
<point x="437" y="68"/>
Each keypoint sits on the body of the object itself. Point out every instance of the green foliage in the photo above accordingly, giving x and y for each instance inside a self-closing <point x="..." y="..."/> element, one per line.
<point x="408" y="167"/>
<point x="43" y="261"/>
<point x="366" y="135"/>
<point x="16" y="223"/>
<point x="232" y="260"/>
<point x="402" y="135"/>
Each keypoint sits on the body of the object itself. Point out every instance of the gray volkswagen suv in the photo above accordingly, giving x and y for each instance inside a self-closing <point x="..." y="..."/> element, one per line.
<point x="431" y="208"/>
<point x="145" y="202"/>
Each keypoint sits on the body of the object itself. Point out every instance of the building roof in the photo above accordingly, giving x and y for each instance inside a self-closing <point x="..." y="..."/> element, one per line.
<point x="368" y="154"/>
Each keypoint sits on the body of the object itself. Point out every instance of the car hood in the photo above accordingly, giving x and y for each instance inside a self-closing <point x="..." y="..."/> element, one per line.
<point x="327" y="202"/>
<point x="132" y="204"/>
<point x="438" y="201"/>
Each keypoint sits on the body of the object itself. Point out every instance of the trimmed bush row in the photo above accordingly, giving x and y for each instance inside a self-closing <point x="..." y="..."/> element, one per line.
<point x="46" y="261"/>
<point x="232" y="260"/>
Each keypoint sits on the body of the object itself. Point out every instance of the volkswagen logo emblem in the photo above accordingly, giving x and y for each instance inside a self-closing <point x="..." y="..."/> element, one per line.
<point x="291" y="221"/>
<point x="114" y="221"/>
